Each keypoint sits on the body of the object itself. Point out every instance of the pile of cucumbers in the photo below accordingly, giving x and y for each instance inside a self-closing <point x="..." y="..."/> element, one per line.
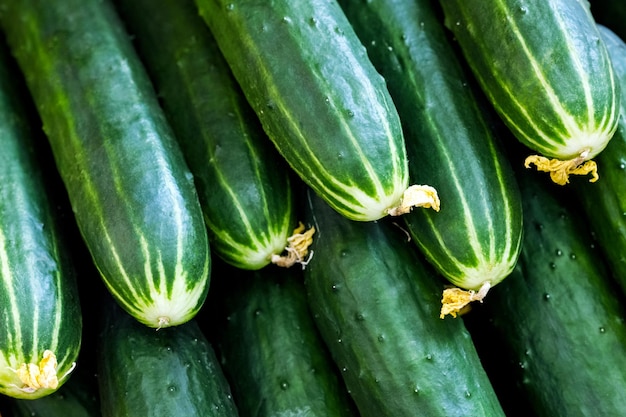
<point x="308" y="208"/>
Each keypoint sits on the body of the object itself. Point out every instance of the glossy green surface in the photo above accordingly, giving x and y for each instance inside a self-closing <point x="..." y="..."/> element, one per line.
<point x="319" y="98"/>
<point x="39" y="306"/>
<point x="451" y="143"/>
<point x="156" y="373"/>
<point x="545" y="69"/>
<point x="243" y="183"/>
<point x="129" y="186"/>
<point x="271" y="350"/>
<point x="376" y="303"/>
<point x="558" y="323"/>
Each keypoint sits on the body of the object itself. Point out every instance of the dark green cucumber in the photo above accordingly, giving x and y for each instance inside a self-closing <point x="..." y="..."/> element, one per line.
<point x="40" y="314"/>
<point x="604" y="203"/>
<point x="475" y="238"/>
<point x="376" y="303"/>
<point x="128" y="183"/>
<point x="546" y="71"/>
<point x="168" y="372"/>
<point x="271" y="350"/>
<point x="243" y="183"/>
<point x="557" y="320"/>
<point x="319" y="99"/>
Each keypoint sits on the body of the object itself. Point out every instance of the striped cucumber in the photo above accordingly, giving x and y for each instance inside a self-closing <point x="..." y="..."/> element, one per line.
<point x="40" y="314"/>
<point x="475" y="239"/>
<point x="375" y="301"/>
<point x="604" y="203"/>
<point x="545" y="69"/>
<point x="243" y="184"/>
<point x="270" y="348"/>
<point x="321" y="102"/>
<point x="129" y="186"/>
<point x="555" y="330"/>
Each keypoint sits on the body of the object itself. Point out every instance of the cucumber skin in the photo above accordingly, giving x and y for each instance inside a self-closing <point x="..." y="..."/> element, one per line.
<point x="557" y="319"/>
<point x="476" y="236"/>
<point x="491" y="45"/>
<point x="243" y="184"/>
<point x="319" y="99"/>
<point x="153" y="373"/>
<point x="270" y="348"/>
<point x="134" y="199"/>
<point x="604" y="202"/>
<point x="376" y="303"/>
<point x="39" y="304"/>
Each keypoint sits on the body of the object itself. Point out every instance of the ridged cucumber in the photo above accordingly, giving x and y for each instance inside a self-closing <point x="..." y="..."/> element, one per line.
<point x="243" y="183"/>
<point x="604" y="203"/>
<point x="545" y="69"/>
<point x="320" y="100"/>
<point x="475" y="238"/>
<point x="557" y="321"/>
<point x="270" y="348"/>
<point x="156" y="373"/>
<point x="376" y="303"/>
<point x="128" y="183"/>
<point x="40" y="313"/>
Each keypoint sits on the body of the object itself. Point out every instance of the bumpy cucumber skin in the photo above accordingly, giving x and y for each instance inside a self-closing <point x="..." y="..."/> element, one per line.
<point x="557" y="319"/>
<point x="39" y="305"/>
<point x="604" y="202"/>
<point x="544" y="68"/>
<point x="376" y="303"/>
<point x="243" y="183"/>
<point x="271" y="350"/>
<point x="129" y="186"/>
<point x="319" y="98"/>
<point x="476" y="236"/>
<point x="154" y="373"/>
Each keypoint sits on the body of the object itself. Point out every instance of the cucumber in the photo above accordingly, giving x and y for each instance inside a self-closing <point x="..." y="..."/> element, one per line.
<point x="545" y="69"/>
<point x="557" y="321"/>
<point x="604" y="203"/>
<point x="475" y="238"/>
<point x="40" y="312"/>
<point x="243" y="183"/>
<point x="170" y="372"/>
<point x="321" y="101"/>
<point x="270" y="348"/>
<point x="376" y="302"/>
<point x="131" y="191"/>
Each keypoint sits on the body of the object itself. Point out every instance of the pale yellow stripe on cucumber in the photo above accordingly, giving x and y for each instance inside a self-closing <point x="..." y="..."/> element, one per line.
<point x="311" y="163"/>
<point x="13" y="335"/>
<point x="569" y="121"/>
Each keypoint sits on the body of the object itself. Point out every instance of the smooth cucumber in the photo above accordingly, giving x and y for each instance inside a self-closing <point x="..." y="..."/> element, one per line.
<point x="546" y="70"/>
<point x="604" y="203"/>
<point x="376" y="303"/>
<point x="557" y="322"/>
<point x="40" y="312"/>
<point x="270" y="348"/>
<point x="243" y="183"/>
<point x="131" y="191"/>
<point x="320" y="100"/>
<point x="154" y="373"/>
<point x="475" y="238"/>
